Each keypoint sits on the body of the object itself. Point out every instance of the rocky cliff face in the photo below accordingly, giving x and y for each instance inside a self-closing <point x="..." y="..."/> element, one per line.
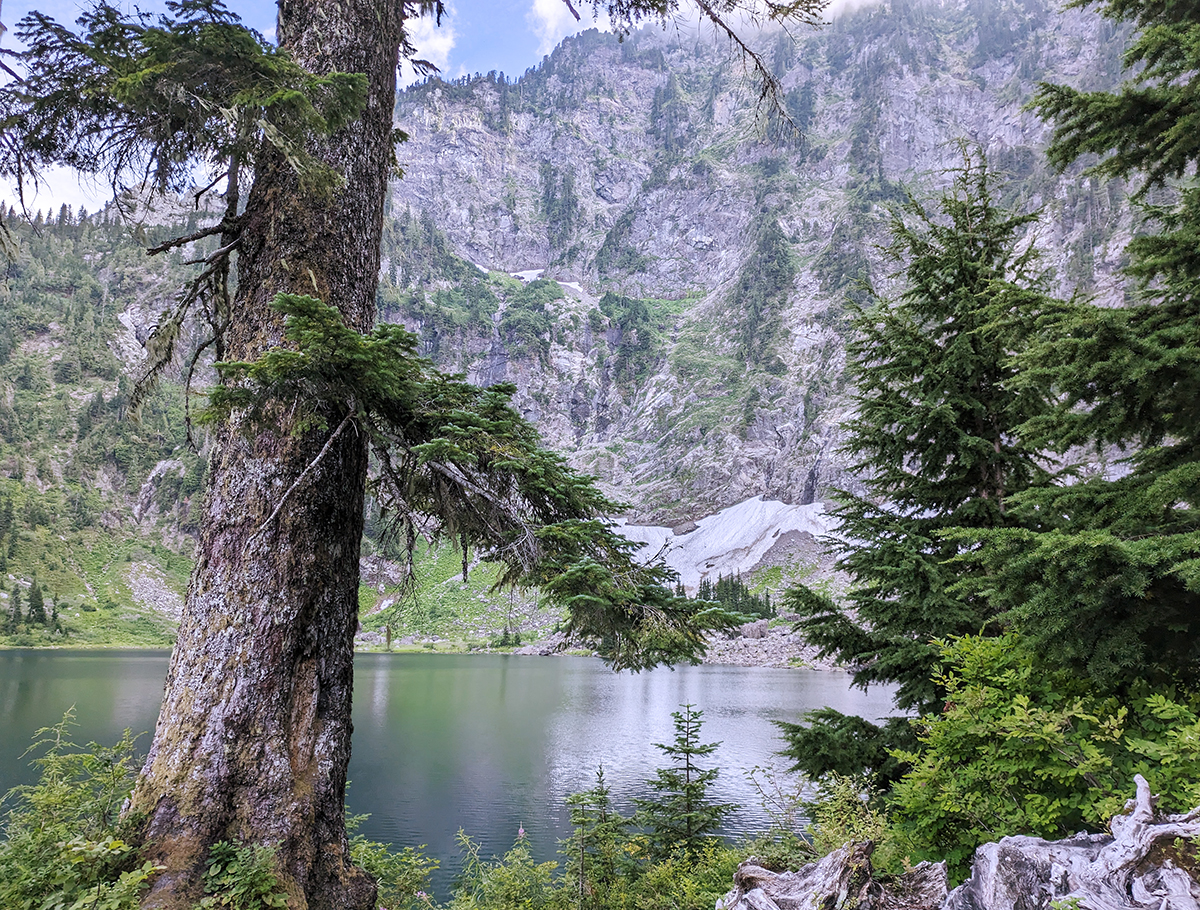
<point x="691" y="353"/>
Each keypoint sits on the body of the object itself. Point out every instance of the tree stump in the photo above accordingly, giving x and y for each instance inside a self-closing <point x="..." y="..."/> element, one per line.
<point x="842" y="880"/>
<point x="1129" y="869"/>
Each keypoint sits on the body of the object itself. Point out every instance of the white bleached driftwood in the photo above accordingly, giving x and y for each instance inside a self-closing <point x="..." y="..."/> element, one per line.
<point x="1130" y="868"/>
<point x="1092" y="871"/>
<point x="840" y="881"/>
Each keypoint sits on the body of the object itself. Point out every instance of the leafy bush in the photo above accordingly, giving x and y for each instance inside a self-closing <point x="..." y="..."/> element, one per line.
<point x="401" y="877"/>
<point x="515" y="882"/>
<point x="242" y="877"/>
<point x="687" y="882"/>
<point x="1022" y="749"/>
<point x="683" y="881"/>
<point x="64" y="845"/>
<point x="849" y="808"/>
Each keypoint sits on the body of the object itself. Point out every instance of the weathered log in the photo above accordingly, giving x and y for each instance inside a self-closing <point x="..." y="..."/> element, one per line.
<point x="1129" y="869"/>
<point x="1094" y="871"/>
<point x="842" y="880"/>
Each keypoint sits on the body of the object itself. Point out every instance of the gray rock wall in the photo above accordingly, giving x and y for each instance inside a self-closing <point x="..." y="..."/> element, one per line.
<point x="673" y="179"/>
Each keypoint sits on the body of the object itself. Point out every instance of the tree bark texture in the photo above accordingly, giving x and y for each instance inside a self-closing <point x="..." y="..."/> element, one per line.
<point x="253" y="739"/>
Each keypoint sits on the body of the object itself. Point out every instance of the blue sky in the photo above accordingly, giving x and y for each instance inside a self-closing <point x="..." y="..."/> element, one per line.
<point x="475" y="37"/>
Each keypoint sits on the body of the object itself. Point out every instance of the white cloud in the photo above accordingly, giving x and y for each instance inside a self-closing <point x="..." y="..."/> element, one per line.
<point x="61" y="185"/>
<point x="433" y="43"/>
<point x="841" y="7"/>
<point x="552" y="21"/>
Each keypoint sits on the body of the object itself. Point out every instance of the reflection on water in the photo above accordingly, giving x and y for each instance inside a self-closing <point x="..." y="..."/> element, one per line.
<point x="109" y="690"/>
<point x="486" y="743"/>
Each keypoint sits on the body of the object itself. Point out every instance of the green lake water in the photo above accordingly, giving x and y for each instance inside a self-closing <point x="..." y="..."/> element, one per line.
<point x="486" y="743"/>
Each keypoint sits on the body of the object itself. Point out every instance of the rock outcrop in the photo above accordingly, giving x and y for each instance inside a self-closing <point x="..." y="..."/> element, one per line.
<point x="643" y="167"/>
<point x="1128" y="869"/>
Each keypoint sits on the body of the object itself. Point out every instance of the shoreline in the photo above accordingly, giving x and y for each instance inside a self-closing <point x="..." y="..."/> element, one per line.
<point x="752" y="645"/>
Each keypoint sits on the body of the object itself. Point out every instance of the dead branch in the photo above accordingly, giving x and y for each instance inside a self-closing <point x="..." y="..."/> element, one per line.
<point x="312" y="466"/>
<point x="221" y="228"/>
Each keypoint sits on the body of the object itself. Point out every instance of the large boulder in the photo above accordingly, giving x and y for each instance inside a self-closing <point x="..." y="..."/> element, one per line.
<point x="756" y="629"/>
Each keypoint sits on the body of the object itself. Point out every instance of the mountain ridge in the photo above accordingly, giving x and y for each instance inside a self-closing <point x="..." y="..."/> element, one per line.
<point x="676" y="320"/>
<point x="640" y="169"/>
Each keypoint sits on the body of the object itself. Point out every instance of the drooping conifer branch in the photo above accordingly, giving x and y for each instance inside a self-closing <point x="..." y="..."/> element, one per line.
<point x="624" y="14"/>
<point x="457" y="463"/>
<point x="145" y="101"/>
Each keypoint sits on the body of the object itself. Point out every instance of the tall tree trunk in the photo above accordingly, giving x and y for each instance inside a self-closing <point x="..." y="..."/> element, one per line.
<point x="253" y="739"/>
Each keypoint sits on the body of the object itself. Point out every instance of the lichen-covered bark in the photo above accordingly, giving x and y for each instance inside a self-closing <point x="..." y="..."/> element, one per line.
<point x="253" y="739"/>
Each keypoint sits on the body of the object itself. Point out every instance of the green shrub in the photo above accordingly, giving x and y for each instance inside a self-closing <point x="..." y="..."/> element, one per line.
<point x="242" y="877"/>
<point x="515" y="882"/>
<point x="1023" y="749"/>
<point x="402" y="877"/>
<point x="687" y="881"/>
<point x="600" y="854"/>
<point x="64" y="845"/>
<point x="848" y="809"/>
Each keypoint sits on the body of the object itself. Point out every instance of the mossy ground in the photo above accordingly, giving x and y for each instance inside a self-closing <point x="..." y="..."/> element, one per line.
<point x="89" y="574"/>
<point x="444" y="612"/>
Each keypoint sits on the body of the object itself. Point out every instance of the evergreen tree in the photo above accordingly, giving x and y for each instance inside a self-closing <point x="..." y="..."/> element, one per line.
<point x="682" y="815"/>
<point x="14" y="611"/>
<point x="37" y="604"/>
<point x="933" y="439"/>
<point x="596" y="858"/>
<point x="735" y="596"/>
<point x="1108" y="578"/>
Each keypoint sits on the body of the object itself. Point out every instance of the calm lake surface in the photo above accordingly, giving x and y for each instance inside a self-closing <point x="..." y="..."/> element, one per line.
<point x="486" y="743"/>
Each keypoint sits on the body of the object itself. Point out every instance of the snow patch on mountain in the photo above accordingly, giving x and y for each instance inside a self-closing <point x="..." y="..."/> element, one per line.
<point x="733" y="540"/>
<point x="528" y="274"/>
